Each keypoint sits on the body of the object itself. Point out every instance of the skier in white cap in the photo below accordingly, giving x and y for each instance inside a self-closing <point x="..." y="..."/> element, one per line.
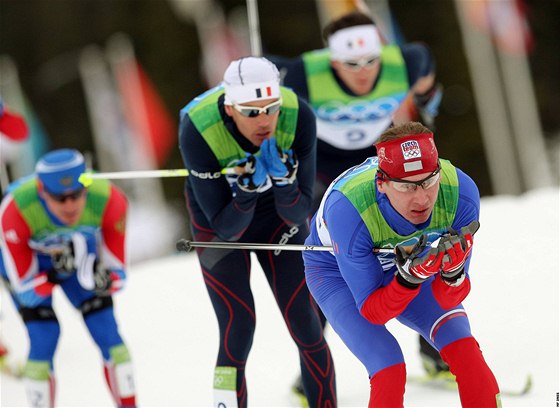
<point x="249" y="145"/>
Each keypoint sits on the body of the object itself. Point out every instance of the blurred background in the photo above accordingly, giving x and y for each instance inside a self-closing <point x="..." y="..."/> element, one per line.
<point x="108" y="77"/>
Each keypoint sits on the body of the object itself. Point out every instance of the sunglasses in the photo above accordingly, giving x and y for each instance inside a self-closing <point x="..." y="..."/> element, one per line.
<point x="407" y="186"/>
<point x="254" y="111"/>
<point x="72" y="196"/>
<point x="356" y="65"/>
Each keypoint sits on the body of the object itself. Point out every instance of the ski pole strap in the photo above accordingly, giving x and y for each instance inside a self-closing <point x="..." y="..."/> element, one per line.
<point x="187" y="245"/>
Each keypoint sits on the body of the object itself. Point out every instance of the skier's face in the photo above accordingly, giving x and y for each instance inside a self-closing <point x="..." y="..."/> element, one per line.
<point x="256" y="124"/>
<point x="358" y="75"/>
<point x="415" y="204"/>
<point x="68" y="207"/>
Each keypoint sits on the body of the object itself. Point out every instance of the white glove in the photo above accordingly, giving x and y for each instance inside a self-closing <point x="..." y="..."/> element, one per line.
<point x="84" y="262"/>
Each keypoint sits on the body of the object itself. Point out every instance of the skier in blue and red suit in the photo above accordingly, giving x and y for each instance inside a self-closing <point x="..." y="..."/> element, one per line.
<point x="249" y="146"/>
<point x="55" y="232"/>
<point x="425" y="212"/>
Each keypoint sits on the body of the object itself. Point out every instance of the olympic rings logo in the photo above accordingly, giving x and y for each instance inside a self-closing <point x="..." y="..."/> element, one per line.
<point x="357" y="111"/>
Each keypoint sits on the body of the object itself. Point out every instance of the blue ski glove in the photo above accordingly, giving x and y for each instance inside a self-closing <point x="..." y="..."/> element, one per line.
<point x="280" y="164"/>
<point x="254" y="175"/>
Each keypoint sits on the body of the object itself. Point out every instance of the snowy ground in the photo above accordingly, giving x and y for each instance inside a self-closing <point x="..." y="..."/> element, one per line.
<point x="167" y="321"/>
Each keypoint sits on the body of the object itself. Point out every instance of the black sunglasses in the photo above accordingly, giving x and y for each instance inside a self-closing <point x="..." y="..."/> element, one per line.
<point x="73" y="195"/>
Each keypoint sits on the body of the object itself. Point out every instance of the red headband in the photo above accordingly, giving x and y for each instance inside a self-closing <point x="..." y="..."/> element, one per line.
<point x="408" y="156"/>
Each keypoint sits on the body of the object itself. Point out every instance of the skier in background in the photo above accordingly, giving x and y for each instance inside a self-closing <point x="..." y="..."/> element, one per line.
<point x="249" y="146"/>
<point x="355" y="87"/>
<point x="426" y="211"/>
<point x="54" y="232"/>
<point x="13" y="131"/>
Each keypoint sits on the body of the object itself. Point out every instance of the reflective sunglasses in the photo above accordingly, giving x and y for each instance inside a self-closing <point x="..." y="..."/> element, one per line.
<point x="254" y="111"/>
<point x="356" y="65"/>
<point x="72" y="196"/>
<point x="407" y="186"/>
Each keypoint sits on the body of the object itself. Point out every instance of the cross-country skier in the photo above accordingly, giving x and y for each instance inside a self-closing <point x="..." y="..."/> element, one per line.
<point x="409" y="200"/>
<point x="266" y="136"/>
<point x="13" y="130"/>
<point x="54" y="232"/>
<point x="355" y="86"/>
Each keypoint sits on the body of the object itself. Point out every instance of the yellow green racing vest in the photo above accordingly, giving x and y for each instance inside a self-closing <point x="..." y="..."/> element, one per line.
<point x="350" y="122"/>
<point x="322" y="85"/>
<point x="205" y="116"/>
<point x="359" y="187"/>
<point x="38" y="220"/>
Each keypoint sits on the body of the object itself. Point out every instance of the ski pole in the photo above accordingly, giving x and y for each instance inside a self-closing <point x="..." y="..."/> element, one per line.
<point x="87" y="178"/>
<point x="187" y="245"/>
<point x="254" y="29"/>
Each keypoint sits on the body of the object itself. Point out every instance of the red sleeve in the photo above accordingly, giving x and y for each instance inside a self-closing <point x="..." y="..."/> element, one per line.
<point x="387" y="302"/>
<point x="15" y="235"/>
<point x="13" y="126"/>
<point x="113" y="224"/>
<point x="450" y="296"/>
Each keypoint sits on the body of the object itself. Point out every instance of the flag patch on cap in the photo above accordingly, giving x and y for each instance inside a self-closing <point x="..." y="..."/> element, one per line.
<point x="411" y="150"/>
<point x="263" y="92"/>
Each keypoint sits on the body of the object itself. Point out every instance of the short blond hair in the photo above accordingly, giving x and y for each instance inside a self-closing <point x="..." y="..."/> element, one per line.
<point x="408" y="128"/>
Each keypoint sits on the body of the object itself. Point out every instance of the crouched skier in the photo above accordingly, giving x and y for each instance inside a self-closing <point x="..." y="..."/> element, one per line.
<point x="54" y="231"/>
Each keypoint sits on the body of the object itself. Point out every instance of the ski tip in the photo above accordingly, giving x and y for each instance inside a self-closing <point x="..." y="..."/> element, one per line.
<point x="300" y="396"/>
<point x="528" y="385"/>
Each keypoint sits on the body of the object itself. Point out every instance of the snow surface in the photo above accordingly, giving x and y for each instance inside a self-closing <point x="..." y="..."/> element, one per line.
<point x="167" y="321"/>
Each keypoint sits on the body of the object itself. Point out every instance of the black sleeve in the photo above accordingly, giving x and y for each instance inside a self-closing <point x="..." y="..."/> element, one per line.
<point x="228" y="216"/>
<point x="419" y="61"/>
<point x="293" y="201"/>
<point x="292" y="74"/>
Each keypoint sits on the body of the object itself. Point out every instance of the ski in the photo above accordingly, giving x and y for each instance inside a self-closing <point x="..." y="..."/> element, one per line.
<point x="448" y="383"/>
<point x="298" y="393"/>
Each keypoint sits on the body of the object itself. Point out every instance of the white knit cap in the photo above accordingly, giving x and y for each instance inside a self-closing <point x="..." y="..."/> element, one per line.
<point x="355" y="42"/>
<point x="251" y="79"/>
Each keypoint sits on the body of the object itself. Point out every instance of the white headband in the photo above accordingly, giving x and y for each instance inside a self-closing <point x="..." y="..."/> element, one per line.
<point x="355" y="42"/>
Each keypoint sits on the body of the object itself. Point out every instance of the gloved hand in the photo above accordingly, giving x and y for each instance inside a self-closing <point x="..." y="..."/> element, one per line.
<point x="102" y="280"/>
<point x="62" y="258"/>
<point x="280" y="164"/>
<point x="422" y="262"/>
<point x="428" y="104"/>
<point x="84" y="260"/>
<point x="254" y="175"/>
<point x="456" y="248"/>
